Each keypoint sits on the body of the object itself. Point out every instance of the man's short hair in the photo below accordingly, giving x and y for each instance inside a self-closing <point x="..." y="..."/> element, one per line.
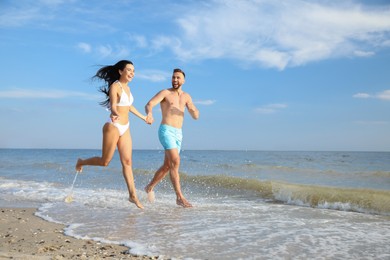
<point x="179" y="70"/>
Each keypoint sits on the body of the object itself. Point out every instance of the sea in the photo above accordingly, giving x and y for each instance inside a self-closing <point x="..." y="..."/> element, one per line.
<point x="247" y="204"/>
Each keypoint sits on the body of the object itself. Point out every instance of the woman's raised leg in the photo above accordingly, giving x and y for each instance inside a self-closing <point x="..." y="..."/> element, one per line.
<point x="110" y="140"/>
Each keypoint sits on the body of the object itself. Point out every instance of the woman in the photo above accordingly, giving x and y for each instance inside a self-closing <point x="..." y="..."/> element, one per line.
<point x="116" y="132"/>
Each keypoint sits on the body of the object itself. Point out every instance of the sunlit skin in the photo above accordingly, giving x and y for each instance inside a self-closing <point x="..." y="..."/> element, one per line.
<point x="173" y="102"/>
<point x="111" y="135"/>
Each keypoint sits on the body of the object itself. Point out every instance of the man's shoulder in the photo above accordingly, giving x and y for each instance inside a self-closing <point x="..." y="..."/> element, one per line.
<point x="164" y="92"/>
<point x="186" y="94"/>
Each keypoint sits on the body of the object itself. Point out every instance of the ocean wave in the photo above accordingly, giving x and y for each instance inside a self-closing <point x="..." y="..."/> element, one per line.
<point x="249" y="166"/>
<point x="347" y="199"/>
<point x="369" y="201"/>
<point x="381" y="174"/>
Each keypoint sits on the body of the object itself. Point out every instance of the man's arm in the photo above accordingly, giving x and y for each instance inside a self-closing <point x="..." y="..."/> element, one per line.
<point x="152" y="103"/>
<point x="194" y="112"/>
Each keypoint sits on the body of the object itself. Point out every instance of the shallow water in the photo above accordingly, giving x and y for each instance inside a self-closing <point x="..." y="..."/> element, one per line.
<point x="248" y="205"/>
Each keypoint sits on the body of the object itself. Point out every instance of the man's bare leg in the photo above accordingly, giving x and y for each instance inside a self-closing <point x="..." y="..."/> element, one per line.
<point x="174" y="160"/>
<point x="183" y="202"/>
<point x="150" y="195"/>
<point x="158" y="176"/>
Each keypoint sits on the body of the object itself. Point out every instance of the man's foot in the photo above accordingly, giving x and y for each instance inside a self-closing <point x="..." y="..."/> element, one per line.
<point x="150" y="194"/>
<point x="183" y="202"/>
<point x="136" y="202"/>
<point x="79" y="167"/>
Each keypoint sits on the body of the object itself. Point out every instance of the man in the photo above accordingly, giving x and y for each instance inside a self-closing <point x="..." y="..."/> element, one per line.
<point x="173" y="102"/>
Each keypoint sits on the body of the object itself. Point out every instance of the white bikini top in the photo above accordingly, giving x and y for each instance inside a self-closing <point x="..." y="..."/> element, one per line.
<point x="125" y="101"/>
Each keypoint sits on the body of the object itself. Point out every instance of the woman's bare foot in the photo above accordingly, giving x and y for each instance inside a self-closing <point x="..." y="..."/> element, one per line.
<point x="150" y="193"/>
<point x="183" y="202"/>
<point x="79" y="167"/>
<point x="136" y="202"/>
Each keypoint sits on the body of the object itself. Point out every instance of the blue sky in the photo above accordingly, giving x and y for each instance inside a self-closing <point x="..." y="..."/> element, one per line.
<point x="265" y="75"/>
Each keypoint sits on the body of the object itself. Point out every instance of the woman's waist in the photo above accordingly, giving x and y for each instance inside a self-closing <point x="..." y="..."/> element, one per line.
<point x="121" y="121"/>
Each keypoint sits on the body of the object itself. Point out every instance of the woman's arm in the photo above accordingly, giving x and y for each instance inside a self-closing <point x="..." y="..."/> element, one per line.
<point x="113" y="102"/>
<point x="133" y="110"/>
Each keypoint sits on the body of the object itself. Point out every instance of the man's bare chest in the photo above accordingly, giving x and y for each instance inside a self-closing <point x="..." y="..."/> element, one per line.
<point x="176" y="101"/>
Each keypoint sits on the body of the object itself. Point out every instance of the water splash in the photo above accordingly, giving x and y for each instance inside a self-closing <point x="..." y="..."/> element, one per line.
<point x="69" y="198"/>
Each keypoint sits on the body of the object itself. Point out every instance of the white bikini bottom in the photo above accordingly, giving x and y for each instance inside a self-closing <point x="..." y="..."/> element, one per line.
<point x="122" y="128"/>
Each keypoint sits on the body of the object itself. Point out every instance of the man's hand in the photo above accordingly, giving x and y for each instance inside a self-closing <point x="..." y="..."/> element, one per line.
<point x="149" y="119"/>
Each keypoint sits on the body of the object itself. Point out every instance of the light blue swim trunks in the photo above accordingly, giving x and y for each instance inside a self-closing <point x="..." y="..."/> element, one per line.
<point x="170" y="137"/>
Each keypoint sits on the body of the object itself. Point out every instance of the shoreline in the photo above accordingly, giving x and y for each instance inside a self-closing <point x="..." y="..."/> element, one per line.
<point x="26" y="236"/>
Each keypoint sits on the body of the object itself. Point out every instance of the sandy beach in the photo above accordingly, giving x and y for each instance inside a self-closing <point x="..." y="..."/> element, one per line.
<point x="26" y="236"/>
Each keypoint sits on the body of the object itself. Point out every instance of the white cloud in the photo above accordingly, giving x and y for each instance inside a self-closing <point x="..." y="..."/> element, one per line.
<point x="121" y="52"/>
<point x="267" y="33"/>
<point x="270" y="108"/>
<point x="162" y="42"/>
<point x="207" y="102"/>
<point x="386" y="43"/>
<point x="279" y="34"/>
<point x="110" y="51"/>
<point x="51" y="2"/>
<point x="361" y="95"/>
<point x="384" y="95"/>
<point x="139" y="40"/>
<point x="104" y="51"/>
<point x="85" y="47"/>
<point x="19" y="13"/>
<point x="364" y="53"/>
<point x="153" y="75"/>
<point x="43" y="94"/>
<point x="16" y="17"/>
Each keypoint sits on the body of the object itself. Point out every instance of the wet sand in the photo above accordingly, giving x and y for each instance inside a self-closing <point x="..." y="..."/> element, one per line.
<point x="26" y="236"/>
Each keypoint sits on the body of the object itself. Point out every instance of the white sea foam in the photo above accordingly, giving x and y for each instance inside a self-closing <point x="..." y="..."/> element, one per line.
<point x="228" y="227"/>
<point x="242" y="211"/>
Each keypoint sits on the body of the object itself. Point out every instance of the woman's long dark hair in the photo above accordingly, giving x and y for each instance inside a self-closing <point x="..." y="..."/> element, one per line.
<point x="110" y="74"/>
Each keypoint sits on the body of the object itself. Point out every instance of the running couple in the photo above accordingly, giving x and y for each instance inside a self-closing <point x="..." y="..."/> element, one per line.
<point x="116" y="132"/>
